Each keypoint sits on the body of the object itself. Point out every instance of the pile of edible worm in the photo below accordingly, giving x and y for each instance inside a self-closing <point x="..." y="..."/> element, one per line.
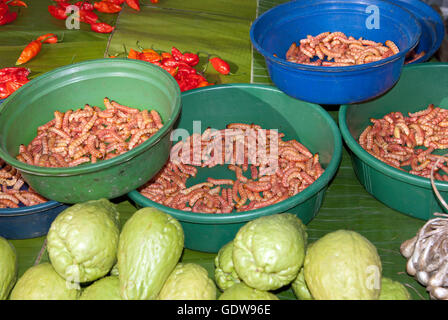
<point x="89" y="134"/>
<point x="335" y="49"/>
<point x="261" y="178"/>
<point x="409" y="141"/>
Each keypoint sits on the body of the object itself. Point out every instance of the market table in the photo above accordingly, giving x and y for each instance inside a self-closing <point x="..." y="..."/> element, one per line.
<point x="218" y="27"/>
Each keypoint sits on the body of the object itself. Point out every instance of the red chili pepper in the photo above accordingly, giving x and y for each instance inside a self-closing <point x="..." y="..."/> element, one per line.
<point x="187" y="69"/>
<point x="107" y="7"/>
<point x="64" y="5"/>
<point x="176" y="54"/>
<point x="119" y="2"/>
<point x="155" y="1"/>
<point x="133" y="54"/>
<point x="48" y="38"/>
<point x="87" y="16"/>
<point x="203" y="84"/>
<point x="149" y="55"/>
<point x="14" y="74"/>
<point x="57" y="12"/>
<point x="3" y="8"/>
<point x="190" y="58"/>
<point x="30" y="51"/>
<point x="12" y="86"/>
<point x="220" y="65"/>
<point x="4" y="93"/>
<point x="101" y="27"/>
<point x="17" y="3"/>
<point x="134" y="4"/>
<point x="170" y="62"/>
<point x="84" y="5"/>
<point x="172" y="71"/>
<point x="8" y="17"/>
<point x="166" y="55"/>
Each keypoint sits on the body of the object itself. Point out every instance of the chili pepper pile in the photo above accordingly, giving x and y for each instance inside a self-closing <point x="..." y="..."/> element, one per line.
<point x="87" y="11"/>
<point x="7" y="16"/>
<point x="34" y="47"/>
<point x="179" y="65"/>
<point x="12" y="79"/>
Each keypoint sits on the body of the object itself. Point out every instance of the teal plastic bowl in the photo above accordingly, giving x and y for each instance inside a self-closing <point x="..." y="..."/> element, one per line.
<point x="216" y="106"/>
<point x="419" y="86"/>
<point x="130" y="82"/>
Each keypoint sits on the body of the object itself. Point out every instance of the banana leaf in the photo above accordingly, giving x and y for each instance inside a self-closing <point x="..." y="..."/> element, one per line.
<point x="189" y="31"/>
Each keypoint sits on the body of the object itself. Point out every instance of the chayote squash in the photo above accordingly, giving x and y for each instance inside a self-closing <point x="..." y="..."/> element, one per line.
<point x="150" y="247"/>
<point x="343" y="265"/>
<point x="393" y="290"/>
<point x="225" y="274"/>
<point x="8" y="268"/>
<point x="241" y="291"/>
<point x="42" y="282"/>
<point x="188" y="281"/>
<point x="107" y="288"/>
<point x="82" y="241"/>
<point x="268" y="252"/>
<point x="300" y="288"/>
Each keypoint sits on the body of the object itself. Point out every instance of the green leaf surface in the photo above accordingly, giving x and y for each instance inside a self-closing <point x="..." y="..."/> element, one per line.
<point x="189" y="31"/>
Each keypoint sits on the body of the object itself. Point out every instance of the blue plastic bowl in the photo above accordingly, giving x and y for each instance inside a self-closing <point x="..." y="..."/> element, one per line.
<point x="275" y="30"/>
<point x="433" y="29"/>
<point x="28" y="222"/>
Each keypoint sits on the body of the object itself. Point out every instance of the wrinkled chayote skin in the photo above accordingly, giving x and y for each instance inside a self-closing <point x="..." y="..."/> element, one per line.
<point x="300" y="288"/>
<point x="83" y="240"/>
<point x="188" y="281"/>
<point x="241" y="291"/>
<point x="343" y="265"/>
<point x="393" y="290"/>
<point x="225" y="274"/>
<point x="107" y="288"/>
<point x="8" y="268"/>
<point x="114" y="271"/>
<point x="150" y="246"/>
<point x="268" y="252"/>
<point x="42" y="282"/>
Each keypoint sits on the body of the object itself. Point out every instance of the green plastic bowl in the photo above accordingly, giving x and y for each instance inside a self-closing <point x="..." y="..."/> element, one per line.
<point x="130" y="82"/>
<point x="418" y="86"/>
<point x="216" y="106"/>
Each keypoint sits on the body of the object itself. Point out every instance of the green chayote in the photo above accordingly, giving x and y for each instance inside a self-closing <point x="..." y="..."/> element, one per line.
<point x="225" y="274"/>
<point x="150" y="247"/>
<point x="393" y="290"/>
<point x="82" y="241"/>
<point x="42" y="282"/>
<point x="268" y="252"/>
<point x="107" y="288"/>
<point x="241" y="291"/>
<point x="188" y="281"/>
<point x="343" y="265"/>
<point x="300" y="288"/>
<point x="8" y="267"/>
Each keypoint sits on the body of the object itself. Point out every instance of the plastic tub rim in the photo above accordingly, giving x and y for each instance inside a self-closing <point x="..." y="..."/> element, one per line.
<point x="234" y="217"/>
<point x="378" y="165"/>
<point x="103" y="164"/>
<point x="303" y="67"/>
<point x="436" y="19"/>
<point x="29" y="210"/>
